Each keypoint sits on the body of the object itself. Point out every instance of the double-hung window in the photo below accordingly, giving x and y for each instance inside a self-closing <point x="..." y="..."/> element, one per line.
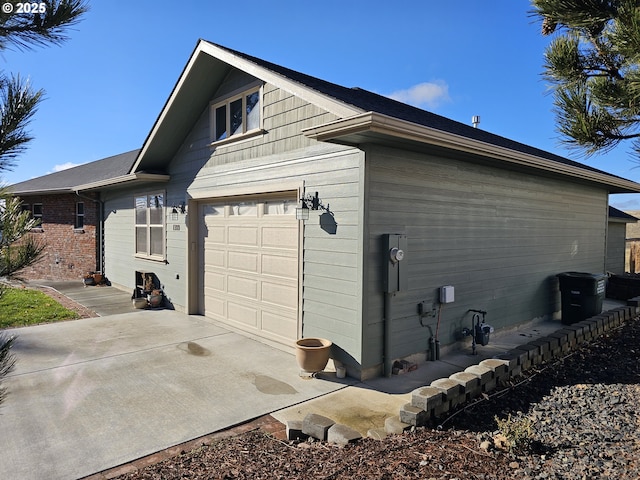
<point x="150" y="225"/>
<point x="79" y="223"/>
<point x="236" y="116"/>
<point x="37" y="211"/>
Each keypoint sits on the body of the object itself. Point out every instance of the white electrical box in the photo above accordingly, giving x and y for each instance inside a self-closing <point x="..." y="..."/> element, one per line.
<point x="447" y="294"/>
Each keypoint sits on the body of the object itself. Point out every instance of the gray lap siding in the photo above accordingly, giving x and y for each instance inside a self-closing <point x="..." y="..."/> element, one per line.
<point x="499" y="237"/>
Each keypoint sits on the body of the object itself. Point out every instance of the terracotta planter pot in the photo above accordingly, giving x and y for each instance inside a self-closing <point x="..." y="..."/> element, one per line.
<point x="312" y="354"/>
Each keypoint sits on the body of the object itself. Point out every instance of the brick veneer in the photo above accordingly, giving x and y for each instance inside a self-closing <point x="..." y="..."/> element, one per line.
<point x="70" y="253"/>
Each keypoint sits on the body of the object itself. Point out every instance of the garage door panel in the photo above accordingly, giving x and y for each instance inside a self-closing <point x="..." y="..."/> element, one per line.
<point x="215" y="281"/>
<point x="286" y="327"/>
<point x="215" y="306"/>
<point x="280" y="237"/>
<point x="280" y="266"/>
<point x="244" y="261"/>
<point x="251" y="271"/>
<point x="277" y="294"/>
<point x="215" y="234"/>
<point x="243" y="236"/>
<point x="242" y="314"/>
<point x="214" y="257"/>
<point x="244" y="287"/>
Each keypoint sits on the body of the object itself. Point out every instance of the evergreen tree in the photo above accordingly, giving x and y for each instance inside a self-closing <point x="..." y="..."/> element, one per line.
<point x="593" y="65"/>
<point x="44" y="23"/>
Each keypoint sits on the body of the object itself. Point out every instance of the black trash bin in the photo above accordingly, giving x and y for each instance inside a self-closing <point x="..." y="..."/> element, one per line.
<point x="581" y="294"/>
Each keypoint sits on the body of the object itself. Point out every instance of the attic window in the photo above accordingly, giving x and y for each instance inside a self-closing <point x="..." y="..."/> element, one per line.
<point x="236" y="116"/>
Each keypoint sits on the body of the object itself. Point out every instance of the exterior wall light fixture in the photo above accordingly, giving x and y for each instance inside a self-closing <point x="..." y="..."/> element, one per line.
<point x="309" y="203"/>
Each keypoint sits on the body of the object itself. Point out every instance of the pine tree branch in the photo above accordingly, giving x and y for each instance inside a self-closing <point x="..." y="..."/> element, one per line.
<point x="26" y="31"/>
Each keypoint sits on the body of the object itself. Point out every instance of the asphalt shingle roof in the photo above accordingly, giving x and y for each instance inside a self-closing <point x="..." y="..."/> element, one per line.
<point x="372" y="102"/>
<point x="65" y="180"/>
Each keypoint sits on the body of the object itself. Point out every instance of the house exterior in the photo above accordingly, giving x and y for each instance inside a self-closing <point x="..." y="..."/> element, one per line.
<point x="70" y="220"/>
<point x="208" y="206"/>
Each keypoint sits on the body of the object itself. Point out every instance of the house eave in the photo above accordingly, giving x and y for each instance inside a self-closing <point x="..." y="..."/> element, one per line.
<point x="372" y="127"/>
<point x="42" y="191"/>
<point x="129" y="179"/>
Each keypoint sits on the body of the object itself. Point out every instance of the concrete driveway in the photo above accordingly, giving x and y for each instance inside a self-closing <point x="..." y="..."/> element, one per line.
<point x="91" y="394"/>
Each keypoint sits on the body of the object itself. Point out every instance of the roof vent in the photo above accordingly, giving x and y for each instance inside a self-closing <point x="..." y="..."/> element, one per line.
<point x="475" y="120"/>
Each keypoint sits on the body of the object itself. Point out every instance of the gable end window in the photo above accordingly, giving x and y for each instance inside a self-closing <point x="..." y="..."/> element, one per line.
<point x="236" y="116"/>
<point x="149" y="209"/>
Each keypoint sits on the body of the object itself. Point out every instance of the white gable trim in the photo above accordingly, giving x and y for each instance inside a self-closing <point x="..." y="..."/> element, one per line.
<point x="329" y="104"/>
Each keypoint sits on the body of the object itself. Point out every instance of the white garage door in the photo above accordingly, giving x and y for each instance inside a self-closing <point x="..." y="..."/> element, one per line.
<point x="250" y="260"/>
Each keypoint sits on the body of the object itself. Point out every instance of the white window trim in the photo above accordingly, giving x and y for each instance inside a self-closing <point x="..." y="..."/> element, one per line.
<point x="228" y="100"/>
<point x="148" y="255"/>
<point x="78" y="215"/>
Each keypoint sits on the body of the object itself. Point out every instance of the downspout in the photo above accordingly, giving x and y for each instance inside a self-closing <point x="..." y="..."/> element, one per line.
<point x="100" y="226"/>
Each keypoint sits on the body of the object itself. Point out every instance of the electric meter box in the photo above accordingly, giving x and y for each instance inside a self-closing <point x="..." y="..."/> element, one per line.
<point x="447" y="294"/>
<point x="394" y="249"/>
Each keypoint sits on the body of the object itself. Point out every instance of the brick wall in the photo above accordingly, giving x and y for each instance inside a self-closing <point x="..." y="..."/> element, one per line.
<point x="70" y="253"/>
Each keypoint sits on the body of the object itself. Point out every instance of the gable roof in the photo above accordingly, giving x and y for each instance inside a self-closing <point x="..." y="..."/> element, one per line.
<point x="620" y="216"/>
<point x="363" y="117"/>
<point x="66" y="181"/>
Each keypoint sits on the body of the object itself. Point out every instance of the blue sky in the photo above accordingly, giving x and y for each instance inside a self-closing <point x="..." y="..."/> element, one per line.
<point x="106" y="86"/>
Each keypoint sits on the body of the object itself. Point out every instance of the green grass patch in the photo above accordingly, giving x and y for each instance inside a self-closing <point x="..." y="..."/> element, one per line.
<point x="20" y="307"/>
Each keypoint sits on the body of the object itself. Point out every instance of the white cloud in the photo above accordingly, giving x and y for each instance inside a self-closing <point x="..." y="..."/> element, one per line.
<point x="63" y="166"/>
<point x="424" y="95"/>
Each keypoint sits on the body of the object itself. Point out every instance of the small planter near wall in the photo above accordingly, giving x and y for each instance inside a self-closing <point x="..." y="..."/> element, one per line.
<point x="312" y="354"/>
<point x="139" y="302"/>
<point x="156" y="298"/>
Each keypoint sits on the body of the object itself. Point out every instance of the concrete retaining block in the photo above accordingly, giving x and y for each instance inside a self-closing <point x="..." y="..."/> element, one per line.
<point x="578" y="333"/>
<point x="394" y="426"/>
<point x="587" y="333"/>
<point x="514" y="357"/>
<point x="377" y="433"/>
<point x="499" y="367"/>
<point x="294" y="430"/>
<point x="533" y="354"/>
<point x="427" y="398"/>
<point x="571" y="336"/>
<point x="544" y="344"/>
<point x="342" y="434"/>
<point x="415" y="416"/>
<point x="316" y="426"/>
<point x="486" y="375"/>
<point x="562" y="343"/>
<point x="470" y="384"/>
<point x="606" y="322"/>
<point x="451" y="389"/>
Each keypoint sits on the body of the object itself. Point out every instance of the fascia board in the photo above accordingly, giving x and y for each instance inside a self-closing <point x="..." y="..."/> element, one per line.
<point x="51" y="191"/>
<point x="167" y="106"/>
<point x="130" y="178"/>
<point x="372" y="122"/>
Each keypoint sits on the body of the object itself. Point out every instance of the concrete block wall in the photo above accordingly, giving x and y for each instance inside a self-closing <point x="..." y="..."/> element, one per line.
<point x="429" y="403"/>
